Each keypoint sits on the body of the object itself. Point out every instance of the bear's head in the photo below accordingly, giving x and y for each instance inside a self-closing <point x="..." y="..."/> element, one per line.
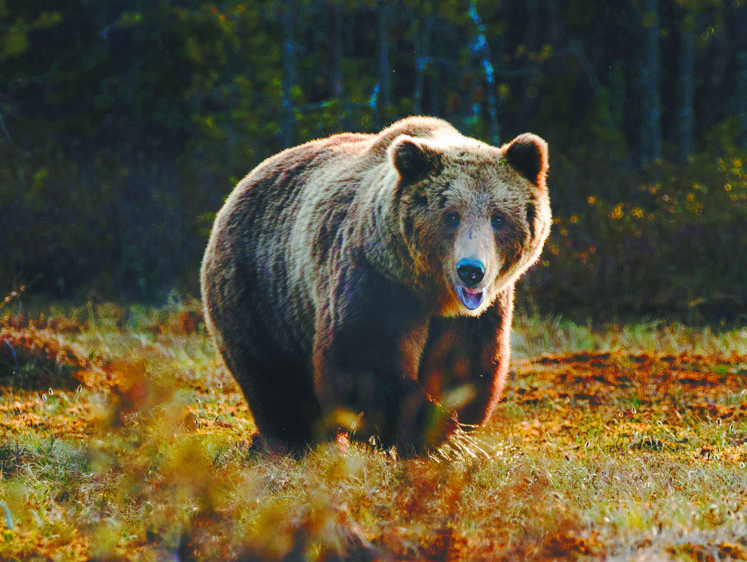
<point x="473" y="217"/>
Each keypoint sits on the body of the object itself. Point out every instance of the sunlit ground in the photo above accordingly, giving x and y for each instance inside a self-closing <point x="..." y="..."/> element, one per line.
<point x="125" y="438"/>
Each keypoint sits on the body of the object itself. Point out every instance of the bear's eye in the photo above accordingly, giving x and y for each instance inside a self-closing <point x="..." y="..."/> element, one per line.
<point x="497" y="221"/>
<point x="453" y="219"/>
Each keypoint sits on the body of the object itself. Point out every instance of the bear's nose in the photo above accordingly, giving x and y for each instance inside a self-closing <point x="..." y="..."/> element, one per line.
<point x="470" y="272"/>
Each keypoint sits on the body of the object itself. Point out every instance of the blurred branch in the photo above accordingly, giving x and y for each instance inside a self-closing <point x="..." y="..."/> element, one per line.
<point x="686" y="93"/>
<point x="385" y="87"/>
<point x="289" y="73"/>
<point x="421" y="60"/>
<point x="480" y="46"/>
<point x="17" y="294"/>
<point x="5" y="129"/>
<point x="8" y="517"/>
<point x="577" y="50"/>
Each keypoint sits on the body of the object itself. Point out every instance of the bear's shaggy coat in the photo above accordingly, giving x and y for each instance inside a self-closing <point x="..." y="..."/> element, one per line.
<point x="365" y="282"/>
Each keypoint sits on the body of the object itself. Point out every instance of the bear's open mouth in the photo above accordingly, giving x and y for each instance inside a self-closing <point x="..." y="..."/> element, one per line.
<point x="471" y="298"/>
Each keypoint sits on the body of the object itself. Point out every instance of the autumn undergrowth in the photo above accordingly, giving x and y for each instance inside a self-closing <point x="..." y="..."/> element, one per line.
<point x="535" y="334"/>
<point x="613" y="442"/>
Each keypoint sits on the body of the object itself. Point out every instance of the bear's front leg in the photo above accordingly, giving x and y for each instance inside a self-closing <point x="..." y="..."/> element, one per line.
<point x="465" y="361"/>
<point x="369" y="337"/>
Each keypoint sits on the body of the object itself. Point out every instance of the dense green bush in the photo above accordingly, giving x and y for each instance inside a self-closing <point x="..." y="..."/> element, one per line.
<point x="675" y="243"/>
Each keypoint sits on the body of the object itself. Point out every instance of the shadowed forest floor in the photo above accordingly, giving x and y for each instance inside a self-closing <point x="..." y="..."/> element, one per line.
<point x="125" y="438"/>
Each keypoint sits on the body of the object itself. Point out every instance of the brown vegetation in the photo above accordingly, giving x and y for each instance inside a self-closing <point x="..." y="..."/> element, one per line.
<point x="619" y="453"/>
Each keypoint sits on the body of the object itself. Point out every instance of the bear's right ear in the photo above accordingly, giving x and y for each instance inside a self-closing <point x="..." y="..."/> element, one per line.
<point x="527" y="154"/>
<point x="412" y="158"/>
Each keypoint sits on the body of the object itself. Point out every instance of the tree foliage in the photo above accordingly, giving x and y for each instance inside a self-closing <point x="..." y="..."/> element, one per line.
<point x="123" y="125"/>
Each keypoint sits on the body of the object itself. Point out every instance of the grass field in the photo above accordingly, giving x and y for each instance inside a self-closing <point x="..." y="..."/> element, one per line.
<point x="123" y="437"/>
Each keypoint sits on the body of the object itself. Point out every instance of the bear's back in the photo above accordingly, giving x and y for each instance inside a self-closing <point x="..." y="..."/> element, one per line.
<point x="420" y="127"/>
<point x="356" y="150"/>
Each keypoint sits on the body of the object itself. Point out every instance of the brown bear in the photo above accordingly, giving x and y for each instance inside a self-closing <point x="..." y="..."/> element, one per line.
<point x="365" y="283"/>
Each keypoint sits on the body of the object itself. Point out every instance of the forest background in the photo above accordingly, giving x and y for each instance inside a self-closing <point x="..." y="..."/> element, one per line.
<point x="124" y="125"/>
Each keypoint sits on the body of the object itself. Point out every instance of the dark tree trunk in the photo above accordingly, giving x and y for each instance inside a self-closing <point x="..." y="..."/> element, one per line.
<point x="4" y="130"/>
<point x="648" y="82"/>
<point x="289" y="72"/>
<point x="711" y="109"/>
<point x="617" y="79"/>
<point x="383" y="99"/>
<point x="552" y="24"/>
<point x="337" y="49"/>
<point x="527" y="101"/>
<point x="338" y="84"/>
<point x="434" y="87"/>
<point x="480" y="48"/>
<point x="421" y="62"/>
<point x="685" y="88"/>
<point x="740" y="20"/>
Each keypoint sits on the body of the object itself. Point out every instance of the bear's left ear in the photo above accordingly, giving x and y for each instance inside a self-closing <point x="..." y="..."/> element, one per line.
<point x="412" y="158"/>
<point x="527" y="154"/>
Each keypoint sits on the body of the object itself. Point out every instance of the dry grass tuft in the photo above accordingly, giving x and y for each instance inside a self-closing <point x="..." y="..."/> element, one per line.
<point x="464" y="446"/>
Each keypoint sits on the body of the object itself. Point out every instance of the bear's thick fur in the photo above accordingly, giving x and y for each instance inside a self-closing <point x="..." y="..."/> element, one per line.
<point x="365" y="282"/>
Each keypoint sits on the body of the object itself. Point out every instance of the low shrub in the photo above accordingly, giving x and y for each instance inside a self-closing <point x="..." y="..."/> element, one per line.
<point x="40" y="359"/>
<point x="674" y="245"/>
